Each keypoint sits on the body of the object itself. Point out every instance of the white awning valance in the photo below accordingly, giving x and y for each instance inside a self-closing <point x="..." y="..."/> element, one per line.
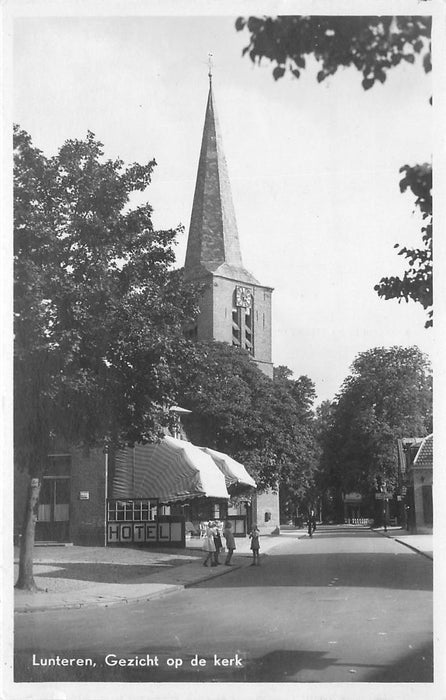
<point x="233" y="471"/>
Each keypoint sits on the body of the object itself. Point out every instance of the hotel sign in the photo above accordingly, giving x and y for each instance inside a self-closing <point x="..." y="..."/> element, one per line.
<point x="161" y="532"/>
<point x="131" y="532"/>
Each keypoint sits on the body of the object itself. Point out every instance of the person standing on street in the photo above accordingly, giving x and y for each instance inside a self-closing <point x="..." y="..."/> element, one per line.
<point x="255" y="545"/>
<point x="209" y="545"/>
<point x="218" y="544"/>
<point x="311" y="523"/>
<point x="230" y="542"/>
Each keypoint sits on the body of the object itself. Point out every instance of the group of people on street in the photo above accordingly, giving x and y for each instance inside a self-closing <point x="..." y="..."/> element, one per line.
<point x="212" y="544"/>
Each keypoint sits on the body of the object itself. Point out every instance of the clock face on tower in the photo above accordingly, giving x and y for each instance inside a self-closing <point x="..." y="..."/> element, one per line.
<point x="243" y="297"/>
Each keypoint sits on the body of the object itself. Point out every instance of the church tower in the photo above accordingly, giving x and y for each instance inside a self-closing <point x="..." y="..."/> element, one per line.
<point x="235" y="308"/>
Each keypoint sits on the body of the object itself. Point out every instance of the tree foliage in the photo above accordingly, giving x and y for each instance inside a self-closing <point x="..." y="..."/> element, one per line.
<point x="264" y="423"/>
<point x="98" y="313"/>
<point x="372" y="45"/>
<point x="416" y="283"/>
<point x="388" y="395"/>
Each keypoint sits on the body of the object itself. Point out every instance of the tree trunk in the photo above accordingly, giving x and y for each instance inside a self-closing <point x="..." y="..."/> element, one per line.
<point x="25" y="580"/>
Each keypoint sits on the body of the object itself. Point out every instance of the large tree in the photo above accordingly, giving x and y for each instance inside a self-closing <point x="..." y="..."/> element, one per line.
<point x="98" y="311"/>
<point x="387" y="395"/>
<point x="372" y="45"/>
<point x="294" y="425"/>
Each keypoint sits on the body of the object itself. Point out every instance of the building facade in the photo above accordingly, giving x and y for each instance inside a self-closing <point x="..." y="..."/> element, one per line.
<point x="73" y="497"/>
<point x="419" y="499"/>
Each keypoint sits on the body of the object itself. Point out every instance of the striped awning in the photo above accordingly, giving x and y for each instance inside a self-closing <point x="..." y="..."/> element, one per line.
<point x="233" y="471"/>
<point x="171" y="470"/>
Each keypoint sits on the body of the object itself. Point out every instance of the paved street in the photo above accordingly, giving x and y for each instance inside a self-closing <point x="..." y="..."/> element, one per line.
<point x="347" y="605"/>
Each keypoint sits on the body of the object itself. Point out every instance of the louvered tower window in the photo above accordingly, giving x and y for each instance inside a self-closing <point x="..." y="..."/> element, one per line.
<point x="243" y="319"/>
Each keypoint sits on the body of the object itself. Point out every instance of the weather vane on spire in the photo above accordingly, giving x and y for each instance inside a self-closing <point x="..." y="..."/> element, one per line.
<point x="210" y="67"/>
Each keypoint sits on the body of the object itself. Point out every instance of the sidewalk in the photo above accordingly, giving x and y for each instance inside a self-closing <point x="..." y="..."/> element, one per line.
<point x="419" y="543"/>
<point x="80" y="577"/>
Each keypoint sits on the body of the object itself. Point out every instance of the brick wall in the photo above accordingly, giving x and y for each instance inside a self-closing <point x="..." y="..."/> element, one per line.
<point x="87" y="517"/>
<point x="262" y="324"/>
<point x="205" y="327"/>
<point x="222" y="309"/>
<point x="421" y="478"/>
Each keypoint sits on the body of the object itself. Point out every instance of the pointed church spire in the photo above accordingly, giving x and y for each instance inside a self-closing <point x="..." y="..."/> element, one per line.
<point x="210" y="69"/>
<point x="213" y="236"/>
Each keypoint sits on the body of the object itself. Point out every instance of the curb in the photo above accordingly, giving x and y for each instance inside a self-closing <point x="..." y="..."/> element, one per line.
<point x="105" y="603"/>
<point x="414" y="549"/>
<point x="405" y="544"/>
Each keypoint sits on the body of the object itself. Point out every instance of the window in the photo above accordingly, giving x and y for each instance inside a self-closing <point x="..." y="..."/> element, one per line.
<point x="55" y="491"/>
<point x="243" y="319"/>
<point x="236" y="324"/>
<point x="139" y="510"/>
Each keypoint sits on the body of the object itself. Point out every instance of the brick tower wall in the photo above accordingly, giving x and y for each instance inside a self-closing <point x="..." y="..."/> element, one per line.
<point x="265" y="512"/>
<point x="205" y="317"/>
<point x="222" y="299"/>
<point x="223" y="290"/>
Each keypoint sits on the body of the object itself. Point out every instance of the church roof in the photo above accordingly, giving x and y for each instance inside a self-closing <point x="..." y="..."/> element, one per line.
<point x="425" y="454"/>
<point x="213" y="242"/>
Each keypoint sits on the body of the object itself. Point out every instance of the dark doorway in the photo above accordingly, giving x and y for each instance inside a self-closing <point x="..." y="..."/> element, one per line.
<point x="53" y="520"/>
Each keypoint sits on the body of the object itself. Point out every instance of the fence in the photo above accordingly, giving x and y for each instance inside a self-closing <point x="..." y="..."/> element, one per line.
<point x="357" y="521"/>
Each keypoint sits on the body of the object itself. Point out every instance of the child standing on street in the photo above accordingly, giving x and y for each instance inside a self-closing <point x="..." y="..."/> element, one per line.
<point x="209" y="545"/>
<point x="230" y="542"/>
<point x="255" y="545"/>
<point x="218" y="543"/>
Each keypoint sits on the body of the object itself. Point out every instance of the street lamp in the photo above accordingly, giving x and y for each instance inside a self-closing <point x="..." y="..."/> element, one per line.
<point x="385" y="496"/>
<point x="106" y="450"/>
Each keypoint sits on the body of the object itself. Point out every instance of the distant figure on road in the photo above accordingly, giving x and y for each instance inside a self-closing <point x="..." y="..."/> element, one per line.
<point x="255" y="544"/>
<point x="311" y="523"/>
<point x="230" y="542"/>
<point x="209" y="545"/>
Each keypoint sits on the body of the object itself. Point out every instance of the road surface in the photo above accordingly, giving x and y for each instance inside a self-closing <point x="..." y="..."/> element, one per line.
<point x="346" y="605"/>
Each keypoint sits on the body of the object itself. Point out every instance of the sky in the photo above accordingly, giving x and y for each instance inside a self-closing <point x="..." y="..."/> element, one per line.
<point x="314" y="168"/>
